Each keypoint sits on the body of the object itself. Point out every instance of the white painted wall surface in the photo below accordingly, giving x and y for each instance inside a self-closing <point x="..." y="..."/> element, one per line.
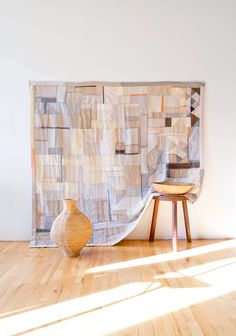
<point x="120" y="40"/>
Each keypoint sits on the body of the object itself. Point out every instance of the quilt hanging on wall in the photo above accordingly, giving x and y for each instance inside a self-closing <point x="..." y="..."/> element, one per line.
<point x="104" y="144"/>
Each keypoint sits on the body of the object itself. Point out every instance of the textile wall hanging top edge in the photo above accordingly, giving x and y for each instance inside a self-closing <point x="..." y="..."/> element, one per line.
<point x="91" y="83"/>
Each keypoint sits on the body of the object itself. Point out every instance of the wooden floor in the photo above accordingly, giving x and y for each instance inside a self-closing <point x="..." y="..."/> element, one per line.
<point x="133" y="288"/>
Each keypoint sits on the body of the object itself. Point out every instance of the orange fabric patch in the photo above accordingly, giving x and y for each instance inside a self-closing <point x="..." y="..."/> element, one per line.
<point x="188" y="132"/>
<point x="33" y="162"/>
<point x="138" y="94"/>
<point x="162" y="103"/>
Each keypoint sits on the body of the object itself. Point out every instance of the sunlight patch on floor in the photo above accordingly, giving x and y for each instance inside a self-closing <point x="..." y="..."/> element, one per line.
<point x="116" y="313"/>
<point x="165" y="257"/>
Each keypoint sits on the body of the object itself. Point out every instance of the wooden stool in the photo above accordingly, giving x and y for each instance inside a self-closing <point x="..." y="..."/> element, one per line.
<point x="174" y="199"/>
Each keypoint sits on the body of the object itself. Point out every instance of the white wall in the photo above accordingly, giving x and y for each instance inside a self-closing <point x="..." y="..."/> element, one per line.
<point x="120" y="40"/>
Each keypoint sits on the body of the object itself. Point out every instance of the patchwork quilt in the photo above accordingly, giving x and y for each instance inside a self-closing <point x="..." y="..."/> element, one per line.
<point x="104" y="144"/>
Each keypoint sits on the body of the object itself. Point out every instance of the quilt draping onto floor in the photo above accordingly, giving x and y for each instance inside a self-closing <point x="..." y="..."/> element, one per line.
<point x="105" y="143"/>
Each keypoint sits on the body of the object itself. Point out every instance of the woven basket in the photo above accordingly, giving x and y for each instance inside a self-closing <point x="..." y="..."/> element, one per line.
<point x="71" y="230"/>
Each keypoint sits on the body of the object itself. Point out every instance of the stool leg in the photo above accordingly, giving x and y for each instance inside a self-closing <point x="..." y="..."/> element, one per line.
<point x="174" y="226"/>
<point x="154" y="220"/>
<point x="186" y="221"/>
